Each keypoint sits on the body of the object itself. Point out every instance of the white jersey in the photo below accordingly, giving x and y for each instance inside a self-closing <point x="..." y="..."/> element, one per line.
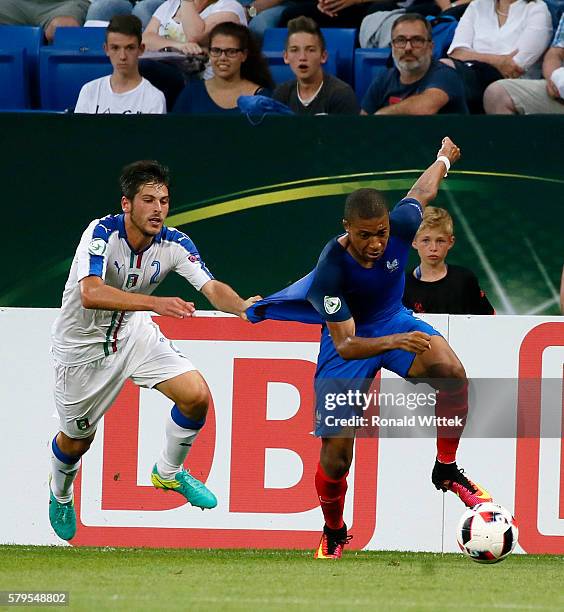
<point x="81" y="335"/>
<point x="97" y="97"/>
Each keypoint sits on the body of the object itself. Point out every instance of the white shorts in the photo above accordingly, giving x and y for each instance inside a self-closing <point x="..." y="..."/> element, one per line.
<point x="83" y="393"/>
<point x="530" y="96"/>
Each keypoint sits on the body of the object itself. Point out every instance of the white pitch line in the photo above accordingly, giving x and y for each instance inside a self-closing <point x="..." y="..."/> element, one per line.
<point x="544" y="305"/>
<point x="475" y="244"/>
<point x="542" y="269"/>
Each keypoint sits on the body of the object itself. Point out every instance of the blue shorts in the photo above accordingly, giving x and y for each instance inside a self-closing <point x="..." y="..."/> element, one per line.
<point x="335" y="375"/>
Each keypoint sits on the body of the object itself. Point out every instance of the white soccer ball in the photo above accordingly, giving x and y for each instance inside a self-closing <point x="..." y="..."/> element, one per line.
<point x="487" y="533"/>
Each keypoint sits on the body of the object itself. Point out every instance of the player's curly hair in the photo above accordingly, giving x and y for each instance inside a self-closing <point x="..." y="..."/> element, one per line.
<point x="139" y="173"/>
<point x="365" y="203"/>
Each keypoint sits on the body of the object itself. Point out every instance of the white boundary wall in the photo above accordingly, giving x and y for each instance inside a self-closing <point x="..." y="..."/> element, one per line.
<point x="258" y="453"/>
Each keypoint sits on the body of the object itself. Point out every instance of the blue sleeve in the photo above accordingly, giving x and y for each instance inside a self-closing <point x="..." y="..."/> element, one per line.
<point x="445" y="78"/>
<point x="184" y="102"/>
<point x="405" y="219"/>
<point x="372" y="100"/>
<point x="326" y="291"/>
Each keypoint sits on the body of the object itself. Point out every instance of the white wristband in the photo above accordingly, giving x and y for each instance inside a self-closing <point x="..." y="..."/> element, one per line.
<point x="446" y="162"/>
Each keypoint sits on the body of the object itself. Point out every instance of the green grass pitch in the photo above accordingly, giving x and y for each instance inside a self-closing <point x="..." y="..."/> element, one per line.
<point x="183" y="579"/>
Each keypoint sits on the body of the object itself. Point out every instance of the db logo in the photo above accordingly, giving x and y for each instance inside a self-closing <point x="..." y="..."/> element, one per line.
<point x="539" y="482"/>
<point x="256" y="451"/>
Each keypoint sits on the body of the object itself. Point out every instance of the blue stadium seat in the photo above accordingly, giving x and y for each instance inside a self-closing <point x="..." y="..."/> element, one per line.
<point x="368" y="63"/>
<point x="340" y="44"/>
<point x="282" y="72"/>
<point x="64" y="71"/>
<point x="14" y="86"/>
<point x="28" y="38"/>
<point x="82" y="39"/>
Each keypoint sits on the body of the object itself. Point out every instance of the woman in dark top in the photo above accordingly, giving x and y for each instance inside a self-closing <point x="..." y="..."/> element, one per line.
<point x="239" y="69"/>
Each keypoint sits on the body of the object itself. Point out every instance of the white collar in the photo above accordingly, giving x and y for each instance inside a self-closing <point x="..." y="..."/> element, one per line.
<point x="309" y="100"/>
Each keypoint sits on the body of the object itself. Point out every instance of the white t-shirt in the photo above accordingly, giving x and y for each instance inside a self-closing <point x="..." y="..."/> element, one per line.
<point x="169" y="28"/>
<point x="97" y="97"/>
<point x="528" y="29"/>
<point x="81" y="335"/>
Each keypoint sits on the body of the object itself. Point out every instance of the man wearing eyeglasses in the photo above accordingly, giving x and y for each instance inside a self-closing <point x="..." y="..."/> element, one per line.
<point x="417" y="85"/>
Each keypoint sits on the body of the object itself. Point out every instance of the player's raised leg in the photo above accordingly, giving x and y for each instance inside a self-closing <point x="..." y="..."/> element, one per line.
<point x="445" y="371"/>
<point x="66" y="456"/>
<point x="331" y="485"/>
<point x="190" y="395"/>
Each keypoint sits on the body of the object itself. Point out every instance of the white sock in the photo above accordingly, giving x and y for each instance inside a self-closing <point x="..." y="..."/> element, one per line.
<point x="178" y="442"/>
<point x="62" y="477"/>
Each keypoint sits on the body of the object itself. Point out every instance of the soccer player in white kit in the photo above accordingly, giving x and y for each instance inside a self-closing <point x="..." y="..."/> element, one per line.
<point x="104" y="335"/>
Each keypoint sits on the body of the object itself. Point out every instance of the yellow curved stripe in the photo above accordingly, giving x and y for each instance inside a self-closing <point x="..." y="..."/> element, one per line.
<point x="282" y="194"/>
<point x="280" y="197"/>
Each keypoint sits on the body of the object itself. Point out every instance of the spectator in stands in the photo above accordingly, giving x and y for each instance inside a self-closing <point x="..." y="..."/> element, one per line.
<point x="264" y="14"/>
<point x="498" y="39"/>
<point x="529" y="96"/>
<point x="350" y="13"/>
<point x="104" y="10"/>
<point x="239" y="69"/>
<point x="186" y="24"/>
<point x="124" y="91"/>
<point x="435" y="286"/>
<point x="313" y="92"/>
<point x="183" y="25"/>
<point x="49" y="14"/>
<point x="418" y="85"/>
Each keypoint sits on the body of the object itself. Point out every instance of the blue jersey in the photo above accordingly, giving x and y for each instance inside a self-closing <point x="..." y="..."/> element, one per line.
<point x="340" y="288"/>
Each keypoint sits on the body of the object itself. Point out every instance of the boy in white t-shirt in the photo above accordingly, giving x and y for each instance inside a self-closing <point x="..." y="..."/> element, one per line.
<point x="125" y="91"/>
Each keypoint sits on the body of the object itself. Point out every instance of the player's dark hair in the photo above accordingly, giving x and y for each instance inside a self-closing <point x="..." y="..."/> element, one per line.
<point x="414" y="17"/>
<point x="255" y="67"/>
<point x="308" y="26"/>
<point x="365" y="203"/>
<point x="139" y="173"/>
<point x="126" y="24"/>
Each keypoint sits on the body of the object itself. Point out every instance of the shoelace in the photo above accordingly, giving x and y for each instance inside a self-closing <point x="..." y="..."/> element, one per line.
<point x="466" y="483"/>
<point x="338" y="544"/>
<point x="64" y="513"/>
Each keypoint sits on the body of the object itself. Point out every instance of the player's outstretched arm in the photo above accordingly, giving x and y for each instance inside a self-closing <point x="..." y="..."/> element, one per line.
<point x="427" y="186"/>
<point x="350" y="346"/>
<point x="224" y="298"/>
<point x="95" y="294"/>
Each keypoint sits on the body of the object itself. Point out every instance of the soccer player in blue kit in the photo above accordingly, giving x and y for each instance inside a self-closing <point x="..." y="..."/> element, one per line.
<point x="355" y="291"/>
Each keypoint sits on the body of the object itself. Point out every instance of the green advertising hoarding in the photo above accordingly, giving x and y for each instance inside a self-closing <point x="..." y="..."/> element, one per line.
<point x="261" y="201"/>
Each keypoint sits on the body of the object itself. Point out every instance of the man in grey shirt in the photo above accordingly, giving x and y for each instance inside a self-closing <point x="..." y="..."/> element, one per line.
<point x="313" y="92"/>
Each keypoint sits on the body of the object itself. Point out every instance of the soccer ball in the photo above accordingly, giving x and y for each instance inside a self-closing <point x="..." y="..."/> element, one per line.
<point x="487" y="533"/>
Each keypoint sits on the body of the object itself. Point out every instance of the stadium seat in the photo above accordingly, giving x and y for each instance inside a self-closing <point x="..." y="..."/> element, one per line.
<point x="368" y="63"/>
<point x="14" y="86"/>
<point x="28" y="38"/>
<point x="340" y="45"/>
<point x="64" y="71"/>
<point x="282" y="72"/>
<point x="80" y="39"/>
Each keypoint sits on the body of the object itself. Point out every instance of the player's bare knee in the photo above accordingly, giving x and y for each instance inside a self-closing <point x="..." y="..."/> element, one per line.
<point x="75" y="447"/>
<point x="195" y="406"/>
<point x="335" y="461"/>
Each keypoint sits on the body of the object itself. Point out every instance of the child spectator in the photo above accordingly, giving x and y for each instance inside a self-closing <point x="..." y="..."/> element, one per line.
<point x="125" y="91"/>
<point x="313" y="92"/>
<point x="435" y="286"/>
